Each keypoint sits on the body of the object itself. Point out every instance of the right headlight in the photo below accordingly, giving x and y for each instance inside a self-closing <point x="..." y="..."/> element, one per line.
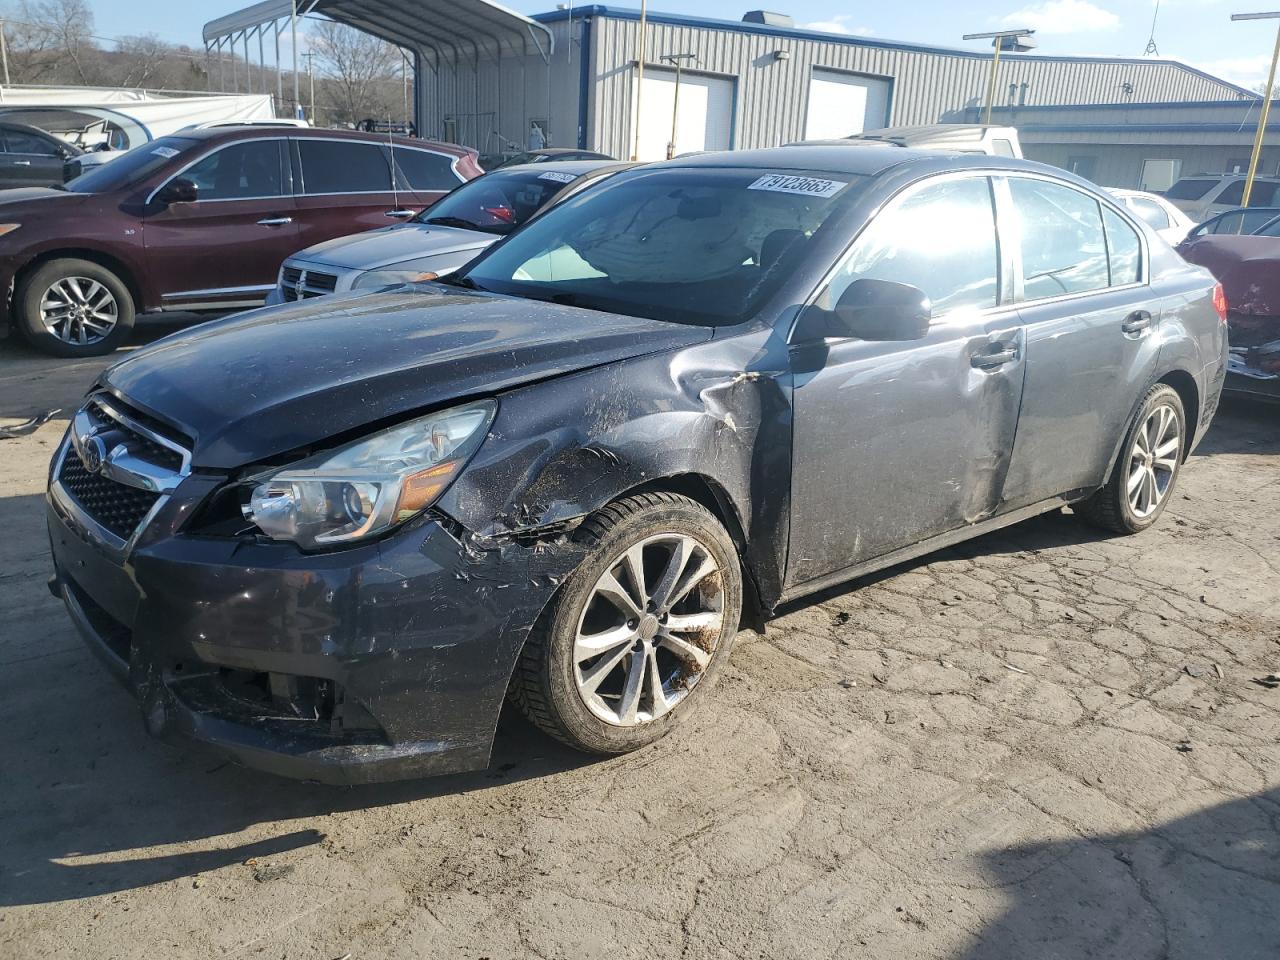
<point x="368" y="487"/>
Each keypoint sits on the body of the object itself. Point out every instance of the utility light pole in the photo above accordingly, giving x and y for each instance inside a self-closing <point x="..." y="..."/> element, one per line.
<point x="678" y="59"/>
<point x="311" y="81"/>
<point x="1267" y="93"/>
<point x="1014" y="41"/>
<point x="293" y="43"/>
<point x="644" y="24"/>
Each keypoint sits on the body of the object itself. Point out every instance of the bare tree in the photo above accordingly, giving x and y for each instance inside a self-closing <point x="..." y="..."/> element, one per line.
<point x="144" y="58"/>
<point x="358" y="71"/>
<point x="65" y="27"/>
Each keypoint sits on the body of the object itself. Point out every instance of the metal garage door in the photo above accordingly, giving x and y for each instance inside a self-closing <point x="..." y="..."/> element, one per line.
<point x="841" y="104"/>
<point x="705" y="120"/>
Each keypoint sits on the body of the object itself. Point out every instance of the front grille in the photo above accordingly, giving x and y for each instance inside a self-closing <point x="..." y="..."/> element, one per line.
<point x="118" y="508"/>
<point x="312" y="283"/>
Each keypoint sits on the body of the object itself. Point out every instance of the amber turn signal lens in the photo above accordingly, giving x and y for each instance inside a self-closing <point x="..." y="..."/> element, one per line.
<point x="423" y="487"/>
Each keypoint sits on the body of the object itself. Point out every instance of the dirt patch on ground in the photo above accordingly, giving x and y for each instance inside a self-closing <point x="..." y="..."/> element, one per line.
<point x="1044" y="743"/>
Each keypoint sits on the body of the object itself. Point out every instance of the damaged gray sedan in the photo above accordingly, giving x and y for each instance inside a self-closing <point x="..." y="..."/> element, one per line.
<point x="331" y="538"/>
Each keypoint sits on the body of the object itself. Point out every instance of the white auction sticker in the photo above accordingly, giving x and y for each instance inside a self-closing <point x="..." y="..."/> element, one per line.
<point x="558" y="177"/>
<point x="809" y="186"/>
<point x="167" y="152"/>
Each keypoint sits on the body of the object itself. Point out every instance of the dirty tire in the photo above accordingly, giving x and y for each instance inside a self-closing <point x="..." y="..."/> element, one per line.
<point x="86" y="275"/>
<point x="548" y="685"/>
<point x="1110" y="507"/>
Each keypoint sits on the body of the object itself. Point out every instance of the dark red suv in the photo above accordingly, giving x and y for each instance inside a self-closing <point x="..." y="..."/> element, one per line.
<point x="200" y="221"/>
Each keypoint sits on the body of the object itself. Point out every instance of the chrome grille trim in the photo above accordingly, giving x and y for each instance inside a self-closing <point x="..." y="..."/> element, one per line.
<point x="298" y="282"/>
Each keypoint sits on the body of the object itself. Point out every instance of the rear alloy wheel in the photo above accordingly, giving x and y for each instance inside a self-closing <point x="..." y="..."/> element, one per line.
<point x="74" y="308"/>
<point x="1143" y="478"/>
<point x="639" y="629"/>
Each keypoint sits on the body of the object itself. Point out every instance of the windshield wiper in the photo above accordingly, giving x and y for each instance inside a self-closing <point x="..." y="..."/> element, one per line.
<point x="454" y="280"/>
<point x="453" y="222"/>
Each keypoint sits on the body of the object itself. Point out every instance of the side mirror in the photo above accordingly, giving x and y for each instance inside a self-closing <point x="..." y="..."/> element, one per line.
<point x="178" y="190"/>
<point x="881" y="310"/>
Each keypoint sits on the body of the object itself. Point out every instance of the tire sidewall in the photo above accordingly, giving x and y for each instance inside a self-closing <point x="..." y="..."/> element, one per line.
<point x="669" y="517"/>
<point x="1160" y="396"/>
<point x="32" y="290"/>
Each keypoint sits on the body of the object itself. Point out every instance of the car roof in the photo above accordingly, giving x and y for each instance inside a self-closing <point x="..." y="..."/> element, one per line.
<point x="578" y="168"/>
<point x="252" y="131"/>
<point x="866" y="161"/>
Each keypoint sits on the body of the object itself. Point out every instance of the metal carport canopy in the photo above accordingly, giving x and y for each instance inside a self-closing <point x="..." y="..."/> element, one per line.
<point x="449" y="29"/>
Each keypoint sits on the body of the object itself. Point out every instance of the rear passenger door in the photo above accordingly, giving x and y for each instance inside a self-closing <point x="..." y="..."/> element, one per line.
<point x="30" y="161"/>
<point x="1091" y="323"/>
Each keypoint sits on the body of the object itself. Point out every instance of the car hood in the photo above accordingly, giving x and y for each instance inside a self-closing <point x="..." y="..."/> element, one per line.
<point x="1247" y="267"/>
<point x="388" y="245"/>
<point x="38" y="198"/>
<point x="274" y="381"/>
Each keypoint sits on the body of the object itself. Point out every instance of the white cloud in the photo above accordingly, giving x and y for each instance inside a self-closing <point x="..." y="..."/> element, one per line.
<point x="1063" y="16"/>
<point x="838" y="24"/>
<point x="1248" y="72"/>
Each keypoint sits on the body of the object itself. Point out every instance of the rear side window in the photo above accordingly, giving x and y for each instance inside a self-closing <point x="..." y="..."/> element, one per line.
<point x="241" y="171"/>
<point x="1064" y="249"/>
<point x="1150" y="211"/>
<point x="344" y="166"/>
<point x="1191" y="188"/>
<point x="1233" y="195"/>
<point x="1124" y="249"/>
<point x="941" y="239"/>
<point x="420" y="170"/>
<point x="18" y="141"/>
<point x="1263" y="195"/>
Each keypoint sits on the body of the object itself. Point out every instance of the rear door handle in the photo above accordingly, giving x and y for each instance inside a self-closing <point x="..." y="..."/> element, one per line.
<point x="275" y="221"/>
<point x="998" y="357"/>
<point x="1136" y="322"/>
<point x="22" y="163"/>
<point x="401" y="214"/>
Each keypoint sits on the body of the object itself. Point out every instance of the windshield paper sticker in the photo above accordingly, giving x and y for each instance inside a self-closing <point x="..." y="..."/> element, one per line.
<point x="809" y="186"/>
<point x="167" y="152"/>
<point x="558" y="177"/>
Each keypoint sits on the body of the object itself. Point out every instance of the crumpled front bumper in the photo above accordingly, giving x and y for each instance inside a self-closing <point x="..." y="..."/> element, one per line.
<point x="382" y="662"/>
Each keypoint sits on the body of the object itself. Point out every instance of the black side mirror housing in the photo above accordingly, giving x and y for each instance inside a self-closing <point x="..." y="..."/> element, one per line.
<point x="178" y="190"/>
<point x="880" y="310"/>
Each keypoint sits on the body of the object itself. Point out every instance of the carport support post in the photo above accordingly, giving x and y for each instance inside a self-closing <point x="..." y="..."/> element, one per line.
<point x="991" y="83"/>
<point x="644" y="21"/>
<point x="293" y="44"/>
<point x="1267" y="93"/>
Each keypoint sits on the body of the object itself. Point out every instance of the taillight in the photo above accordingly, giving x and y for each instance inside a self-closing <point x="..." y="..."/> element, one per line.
<point x="1220" y="302"/>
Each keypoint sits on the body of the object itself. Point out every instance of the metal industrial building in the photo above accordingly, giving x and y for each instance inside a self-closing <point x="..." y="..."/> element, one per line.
<point x="485" y="75"/>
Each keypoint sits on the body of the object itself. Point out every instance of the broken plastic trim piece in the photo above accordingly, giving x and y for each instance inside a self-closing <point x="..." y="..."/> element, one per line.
<point x="28" y="427"/>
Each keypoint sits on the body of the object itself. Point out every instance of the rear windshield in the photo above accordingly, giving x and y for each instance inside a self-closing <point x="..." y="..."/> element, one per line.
<point x="497" y="202"/>
<point x="1191" y="188"/>
<point x="686" y="245"/>
<point x="138" y="164"/>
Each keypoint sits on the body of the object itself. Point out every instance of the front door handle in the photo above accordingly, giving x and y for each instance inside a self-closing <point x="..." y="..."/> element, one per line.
<point x="399" y="214"/>
<point x="275" y="221"/>
<point x="22" y="163"/>
<point x="1000" y="355"/>
<point x="1136" y="322"/>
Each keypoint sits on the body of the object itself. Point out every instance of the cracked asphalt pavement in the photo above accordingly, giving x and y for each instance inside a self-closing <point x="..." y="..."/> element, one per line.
<point x="1045" y="743"/>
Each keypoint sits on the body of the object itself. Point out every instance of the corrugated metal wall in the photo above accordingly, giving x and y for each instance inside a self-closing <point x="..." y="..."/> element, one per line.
<point x="1120" y="165"/>
<point x="772" y="94"/>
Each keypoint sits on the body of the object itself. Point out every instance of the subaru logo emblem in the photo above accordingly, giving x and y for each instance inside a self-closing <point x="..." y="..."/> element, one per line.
<point x="94" y="452"/>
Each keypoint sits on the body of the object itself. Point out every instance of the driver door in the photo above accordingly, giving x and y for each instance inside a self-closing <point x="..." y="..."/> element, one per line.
<point x="897" y="442"/>
<point x="225" y="249"/>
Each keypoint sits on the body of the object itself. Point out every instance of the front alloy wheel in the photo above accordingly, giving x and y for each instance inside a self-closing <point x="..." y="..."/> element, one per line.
<point x="638" y="631"/>
<point x="79" y="310"/>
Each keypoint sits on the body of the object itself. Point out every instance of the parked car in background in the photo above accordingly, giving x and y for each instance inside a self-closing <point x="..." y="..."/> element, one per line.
<point x="1206" y="195"/>
<point x="31" y="157"/>
<point x="442" y="237"/>
<point x="496" y="160"/>
<point x="332" y="538"/>
<point x="1248" y="267"/>
<point x="949" y="137"/>
<point x="1157" y="212"/>
<point x="200" y="221"/>
<point x="1238" y="222"/>
<point x="272" y="122"/>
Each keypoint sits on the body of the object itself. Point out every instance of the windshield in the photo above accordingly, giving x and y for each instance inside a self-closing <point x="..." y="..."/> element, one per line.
<point x="497" y="202"/>
<point x="698" y="246"/>
<point x="137" y="164"/>
<point x="1191" y="188"/>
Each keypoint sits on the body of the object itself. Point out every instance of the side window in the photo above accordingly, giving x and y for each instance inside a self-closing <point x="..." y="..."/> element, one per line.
<point x="942" y="239"/>
<point x="1150" y="211"/>
<point x="1124" y="249"/>
<point x="241" y="171"/>
<point x="421" y="170"/>
<point x="1265" y="193"/>
<point x="1063" y="246"/>
<point x="1227" y="223"/>
<point x="344" y="166"/>
<point x="1232" y="195"/>
<point x="17" y="141"/>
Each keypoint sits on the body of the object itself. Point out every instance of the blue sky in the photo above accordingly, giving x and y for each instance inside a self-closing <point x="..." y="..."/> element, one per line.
<point x="1197" y="31"/>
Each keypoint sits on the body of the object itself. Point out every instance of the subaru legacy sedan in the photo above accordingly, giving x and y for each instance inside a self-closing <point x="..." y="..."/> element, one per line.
<point x="199" y="221"/>
<point x="441" y="238"/>
<point x="330" y="538"/>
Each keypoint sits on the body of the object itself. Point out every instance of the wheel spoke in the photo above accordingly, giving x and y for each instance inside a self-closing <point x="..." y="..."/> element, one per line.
<point x="1136" y="477"/>
<point x="684" y="649"/>
<point x="96" y="325"/>
<point x="1163" y="451"/>
<point x="691" y="580"/>
<point x="632" y="688"/>
<point x="659" y="696"/>
<point x="1168" y="465"/>
<point x="592" y="645"/>
<point x="633" y="561"/>
<point x="592" y="679"/>
<point x="1153" y="493"/>
<point x="610" y="589"/>
<point x="681" y="623"/>
<point x="680" y="554"/>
